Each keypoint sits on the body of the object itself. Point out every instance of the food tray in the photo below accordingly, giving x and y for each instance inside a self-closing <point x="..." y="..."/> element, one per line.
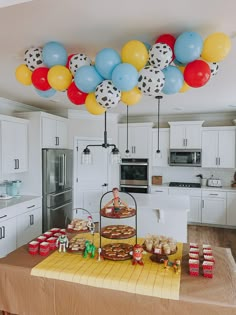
<point x="80" y="242"/>
<point x="117" y="249"/>
<point x="122" y="213"/>
<point x="118" y="232"/>
<point x="159" y="258"/>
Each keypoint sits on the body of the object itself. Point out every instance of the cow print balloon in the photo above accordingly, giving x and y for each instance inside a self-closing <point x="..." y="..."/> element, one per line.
<point x="33" y="58"/>
<point x="151" y="80"/>
<point x="78" y="61"/>
<point x="160" y="55"/>
<point x="107" y="95"/>
<point x="214" y="66"/>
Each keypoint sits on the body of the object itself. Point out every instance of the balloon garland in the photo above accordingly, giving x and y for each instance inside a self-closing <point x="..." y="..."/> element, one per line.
<point x="172" y="65"/>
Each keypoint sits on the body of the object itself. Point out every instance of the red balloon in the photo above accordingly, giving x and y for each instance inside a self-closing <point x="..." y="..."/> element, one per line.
<point x="169" y="40"/>
<point x="197" y="73"/>
<point x="76" y="96"/>
<point x="68" y="61"/>
<point x="39" y="79"/>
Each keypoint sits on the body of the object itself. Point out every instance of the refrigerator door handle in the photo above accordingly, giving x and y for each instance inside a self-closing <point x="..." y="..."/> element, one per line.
<point x="57" y="208"/>
<point x="60" y="193"/>
<point x="62" y="170"/>
<point x="65" y="170"/>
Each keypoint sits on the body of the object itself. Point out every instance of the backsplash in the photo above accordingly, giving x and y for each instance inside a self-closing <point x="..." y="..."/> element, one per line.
<point x="188" y="174"/>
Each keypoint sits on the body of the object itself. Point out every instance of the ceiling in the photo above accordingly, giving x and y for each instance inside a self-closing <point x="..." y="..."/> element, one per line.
<point x="87" y="26"/>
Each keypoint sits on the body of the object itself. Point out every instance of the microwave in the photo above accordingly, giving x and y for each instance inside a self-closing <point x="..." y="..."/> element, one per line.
<point x="185" y="157"/>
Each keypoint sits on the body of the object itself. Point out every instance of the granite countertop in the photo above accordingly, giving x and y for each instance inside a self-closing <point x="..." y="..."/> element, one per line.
<point x="15" y="200"/>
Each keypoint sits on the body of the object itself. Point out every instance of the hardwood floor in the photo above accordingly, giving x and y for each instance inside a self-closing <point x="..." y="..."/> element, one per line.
<point x="214" y="236"/>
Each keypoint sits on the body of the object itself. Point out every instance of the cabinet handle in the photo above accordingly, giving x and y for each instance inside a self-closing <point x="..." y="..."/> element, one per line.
<point x="58" y="141"/>
<point x="4" y="216"/>
<point x="213" y="194"/>
<point x="3" y="234"/>
<point x="15" y="160"/>
<point x="18" y="163"/>
<point x="159" y="191"/>
<point x="202" y="204"/>
<point x="31" y="207"/>
<point x="219" y="160"/>
<point x="31" y="219"/>
<point x="0" y="233"/>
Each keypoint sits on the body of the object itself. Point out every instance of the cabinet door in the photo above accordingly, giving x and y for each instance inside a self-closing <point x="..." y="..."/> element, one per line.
<point x="8" y="147"/>
<point x="122" y="140"/>
<point x="194" y="215"/>
<point x="49" y="130"/>
<point x="193" y="136"/>
<point x="29" y="226"/>
<point x="231" y="209"/>
<point x="62" y="134"/>
<point x="209" y="148"/>
<point x="164" y="144"/>
<point x="21" y="147"/>
<point x="226" y="149"/>
<point x="177" y="137"/>
<point x="7" y="236"/>
<point x="214" y="210"/>
<point x="140" y="139"/>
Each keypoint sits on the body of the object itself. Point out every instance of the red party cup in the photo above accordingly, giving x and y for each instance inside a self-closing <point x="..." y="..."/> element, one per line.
<point x="41" y="238"/>
<point x="55" y="230"/>
<point x="63" y="231"/>
<point x="48" y="234"/>
<point x="33" y="247"/>
<point x="44" y="248"/>
<point x="52" y="242"/>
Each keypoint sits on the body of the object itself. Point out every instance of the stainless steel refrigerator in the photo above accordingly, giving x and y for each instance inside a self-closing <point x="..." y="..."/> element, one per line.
<point x="57" y="186"/>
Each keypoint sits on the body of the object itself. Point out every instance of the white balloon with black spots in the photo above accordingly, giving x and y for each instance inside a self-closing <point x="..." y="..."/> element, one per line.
<point x="107" y="95"/>
<point x="160" y="55"/>
<point x="78" y="61"/>
<point x="151" y="81"/>
<point x="214" y="66"/>
<point x="33" y="58"/>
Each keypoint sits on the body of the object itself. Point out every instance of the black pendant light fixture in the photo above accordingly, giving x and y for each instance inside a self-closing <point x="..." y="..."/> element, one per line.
<point x="127" y="153"/>
<point x="158" y="151"/>
<point x="115" y="154"/>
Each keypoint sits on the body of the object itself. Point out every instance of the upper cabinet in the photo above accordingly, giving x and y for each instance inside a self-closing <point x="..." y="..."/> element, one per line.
<point x="14" y="145"/>
<point x="139" y="140"/>
<point x="54" y="132"/>
<point x="185" y="134"/>
<point x="161" y="159"/>
<point x="218" y="147"/>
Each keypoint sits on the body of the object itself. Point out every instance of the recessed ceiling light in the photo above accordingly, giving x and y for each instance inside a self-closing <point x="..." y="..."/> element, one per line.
<point x="7" y="3"/>
<point x="178" y="108"/>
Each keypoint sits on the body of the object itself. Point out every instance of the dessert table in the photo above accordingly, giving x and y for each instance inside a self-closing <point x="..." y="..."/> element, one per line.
<point x="24" y="294"/>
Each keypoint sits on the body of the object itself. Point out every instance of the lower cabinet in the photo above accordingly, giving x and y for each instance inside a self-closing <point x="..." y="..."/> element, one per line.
<point x="195" y="212"/>
<point x="29" y="226"/>
<point x="7" y="236"/>
<point x="214" y="207"/>
<point x="231" y="209"/>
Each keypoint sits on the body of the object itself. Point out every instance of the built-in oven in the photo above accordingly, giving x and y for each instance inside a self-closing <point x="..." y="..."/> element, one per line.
<point x="185" y="157"/>
<point x="134" y="175"/>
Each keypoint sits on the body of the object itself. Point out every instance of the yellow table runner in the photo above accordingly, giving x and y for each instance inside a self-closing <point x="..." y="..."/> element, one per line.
<point x="151" y="279"/>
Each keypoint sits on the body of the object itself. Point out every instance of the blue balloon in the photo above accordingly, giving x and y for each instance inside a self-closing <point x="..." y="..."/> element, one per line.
<point x="87" y="78"/>
<point x="188" y="47"/>
<point x="125" y="77"/>
<point x="54" y="54"/>
<point x="47" y="93"/>
<point x="105" y="62"/>
<point x="173" y="80"/>
<point x="180" y="64"/>
<point x="148" y="46"/>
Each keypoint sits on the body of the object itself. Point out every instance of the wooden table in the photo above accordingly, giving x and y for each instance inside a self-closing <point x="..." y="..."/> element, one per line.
<point x="21" y="293"/>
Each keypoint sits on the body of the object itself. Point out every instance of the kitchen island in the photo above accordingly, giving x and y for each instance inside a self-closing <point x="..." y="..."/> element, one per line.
<point x="22" y="293"/>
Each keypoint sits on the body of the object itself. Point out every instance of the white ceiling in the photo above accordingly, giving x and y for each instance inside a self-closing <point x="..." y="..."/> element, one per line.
<point x="87" y="26"/>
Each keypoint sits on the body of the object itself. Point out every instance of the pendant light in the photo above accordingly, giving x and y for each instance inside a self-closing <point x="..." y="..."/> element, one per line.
<point x="127" y="153"/>
<point x="115" y="154"/>
<point x="158" y="151"/>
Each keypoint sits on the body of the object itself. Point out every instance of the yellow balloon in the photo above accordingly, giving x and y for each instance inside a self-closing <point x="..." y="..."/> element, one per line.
<point x="59" y="77"/>
<point x="23" y="74"/>
<point x="216" y="47"/>
<point x="135" y="53"/>
<point x="131" y="97"/>
<point x="92" y="105"/>
<point x="184" y="88"/>
<point x="181" y="68"/>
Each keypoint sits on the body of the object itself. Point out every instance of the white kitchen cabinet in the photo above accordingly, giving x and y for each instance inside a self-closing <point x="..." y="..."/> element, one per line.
<point x="14" y="146"/>
<point x="159" y="190"/>
<point x="185" y="134"/>
<point x="214" y="207"/>
<point x="7" y="236"/>
<point x="139" y="140"/>
<point x="29" y="225"/>
<point x="218" y="147"/>
<point x="161" y="159"/>
<point x="54" y="133"/>
<point x="231" y="209"/>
